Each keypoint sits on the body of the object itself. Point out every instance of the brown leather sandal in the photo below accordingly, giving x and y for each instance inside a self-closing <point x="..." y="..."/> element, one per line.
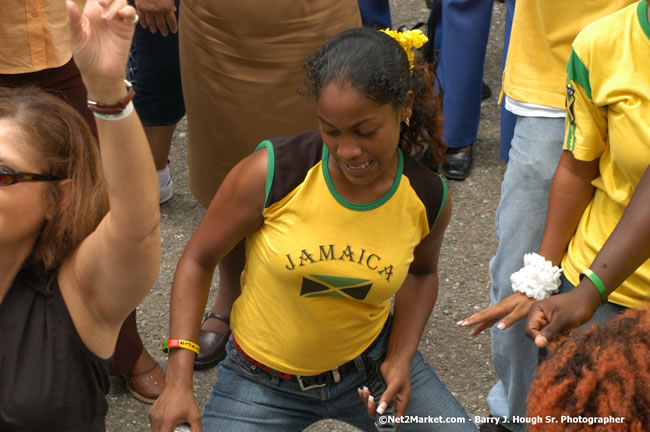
<point x="213" y="344"/>
<point x="147" y="386"/>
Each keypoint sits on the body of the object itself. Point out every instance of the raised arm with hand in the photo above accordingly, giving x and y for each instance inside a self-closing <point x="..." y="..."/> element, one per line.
<point x="100" y="39"/>
<point x="624" y="251"/>
<point x="116" y="266"/>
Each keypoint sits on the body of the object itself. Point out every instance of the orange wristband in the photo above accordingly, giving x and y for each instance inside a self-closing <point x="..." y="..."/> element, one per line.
<point x="181" y="343"/>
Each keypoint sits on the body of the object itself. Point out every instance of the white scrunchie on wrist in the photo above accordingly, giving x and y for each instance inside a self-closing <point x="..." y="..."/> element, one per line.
<point x="538" y="278"/>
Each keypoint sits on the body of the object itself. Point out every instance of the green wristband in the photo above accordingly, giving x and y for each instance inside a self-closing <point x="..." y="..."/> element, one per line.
<point x="600" y="286"/>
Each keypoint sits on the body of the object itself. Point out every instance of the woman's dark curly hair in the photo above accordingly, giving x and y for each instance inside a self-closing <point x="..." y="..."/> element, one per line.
<point x="602" y="372"/>
<point x="377" y="65"/>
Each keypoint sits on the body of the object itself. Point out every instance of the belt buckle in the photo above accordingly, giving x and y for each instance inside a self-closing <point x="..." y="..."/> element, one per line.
<point x="335" y="373"/>
<point x="302" y="385"/>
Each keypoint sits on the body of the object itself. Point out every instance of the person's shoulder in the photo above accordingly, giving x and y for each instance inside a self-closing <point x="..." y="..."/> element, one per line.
<point x="304" y="141"/>
<point x="290" y="159"/>
<point x="419" y="175"/>
<point x="606" y="31"/>
<point x="428" y="185"/>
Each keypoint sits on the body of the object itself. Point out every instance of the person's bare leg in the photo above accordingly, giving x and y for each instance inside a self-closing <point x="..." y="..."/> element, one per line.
<point x="160" y="141"/>
<point x="216" y="330"/>
<point x="143" y="364"/>
<point x="145" y="378"/>
<point x="230" y="269"/>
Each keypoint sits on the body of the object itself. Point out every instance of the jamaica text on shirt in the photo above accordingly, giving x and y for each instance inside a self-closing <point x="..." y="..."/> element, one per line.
<point x="328" y="253"/>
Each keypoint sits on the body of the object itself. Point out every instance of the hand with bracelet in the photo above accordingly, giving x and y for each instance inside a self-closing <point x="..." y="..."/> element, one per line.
<point x="626" y="248"/>
<point x="100" y="39"/>
<point x="565" y="210"/>
<point x="537" y="280"/>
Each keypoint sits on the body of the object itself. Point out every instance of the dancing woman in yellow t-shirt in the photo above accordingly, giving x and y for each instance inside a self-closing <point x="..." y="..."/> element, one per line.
<point x="336" y="222"/>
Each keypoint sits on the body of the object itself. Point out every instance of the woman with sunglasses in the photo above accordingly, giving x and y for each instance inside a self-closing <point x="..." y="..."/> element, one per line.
<point x="71" y="267"/>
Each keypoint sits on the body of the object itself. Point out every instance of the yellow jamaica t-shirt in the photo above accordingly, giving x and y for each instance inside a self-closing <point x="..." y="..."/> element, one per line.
<point x="321" y="271"/>
<point x="608" y="107"/>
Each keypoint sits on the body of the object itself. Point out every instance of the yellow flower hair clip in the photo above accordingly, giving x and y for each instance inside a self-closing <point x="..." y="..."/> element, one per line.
<point x="408" y="39"/>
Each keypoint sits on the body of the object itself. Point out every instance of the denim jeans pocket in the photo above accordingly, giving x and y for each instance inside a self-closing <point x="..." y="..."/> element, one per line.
<point x="243" y="366"/>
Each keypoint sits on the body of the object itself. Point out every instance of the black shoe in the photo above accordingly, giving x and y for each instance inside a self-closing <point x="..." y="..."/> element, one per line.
<point x="486" y="92"/>
<point x="458" y="165"/>
<point x="212" y="345"/>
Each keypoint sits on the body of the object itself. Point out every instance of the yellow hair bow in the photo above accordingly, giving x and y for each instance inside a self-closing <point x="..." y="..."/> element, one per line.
<point x="408" y="39"/>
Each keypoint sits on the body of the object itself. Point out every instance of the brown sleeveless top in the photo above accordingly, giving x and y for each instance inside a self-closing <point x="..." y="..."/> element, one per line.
<point x="49" y="380"/>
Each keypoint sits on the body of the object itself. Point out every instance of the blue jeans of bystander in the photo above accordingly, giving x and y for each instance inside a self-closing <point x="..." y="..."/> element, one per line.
<point x="520" y="220"/>
<point x="521" y="215"/>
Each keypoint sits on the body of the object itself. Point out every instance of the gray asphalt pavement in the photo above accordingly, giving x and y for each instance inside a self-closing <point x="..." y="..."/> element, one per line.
<point x="462" y="362"/>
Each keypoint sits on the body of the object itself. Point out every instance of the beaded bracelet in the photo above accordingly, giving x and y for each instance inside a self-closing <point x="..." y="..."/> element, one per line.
<point x="600" y="286"/>
<point x="180" y="343"/>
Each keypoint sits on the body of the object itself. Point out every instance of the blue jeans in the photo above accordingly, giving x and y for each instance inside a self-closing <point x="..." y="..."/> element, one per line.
<point x="245" y="398"/>
<point x="521" y="215"/>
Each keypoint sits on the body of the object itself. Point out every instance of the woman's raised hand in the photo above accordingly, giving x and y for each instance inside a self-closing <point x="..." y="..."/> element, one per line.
<point x="100" y="39"/>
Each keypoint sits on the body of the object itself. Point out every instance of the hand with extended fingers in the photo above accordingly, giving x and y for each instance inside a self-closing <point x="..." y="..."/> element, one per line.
<point x="100" y="39"/>
<point x="511" y="309"/>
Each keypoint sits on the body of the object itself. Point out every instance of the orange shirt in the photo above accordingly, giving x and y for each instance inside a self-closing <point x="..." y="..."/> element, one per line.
<point x="33" y="35"/>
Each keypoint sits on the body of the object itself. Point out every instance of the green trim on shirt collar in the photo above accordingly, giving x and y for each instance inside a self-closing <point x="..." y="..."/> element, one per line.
<point x="355" y="206"/>
<point x="270" y="170"/>
<point x="642" y="11"/>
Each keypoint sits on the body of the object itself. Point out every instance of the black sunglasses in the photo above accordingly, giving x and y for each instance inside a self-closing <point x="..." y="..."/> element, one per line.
<point x="9" y="176"/>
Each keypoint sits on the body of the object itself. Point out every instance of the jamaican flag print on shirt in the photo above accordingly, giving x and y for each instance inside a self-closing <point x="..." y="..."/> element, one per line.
<point x="321" y="271"/>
